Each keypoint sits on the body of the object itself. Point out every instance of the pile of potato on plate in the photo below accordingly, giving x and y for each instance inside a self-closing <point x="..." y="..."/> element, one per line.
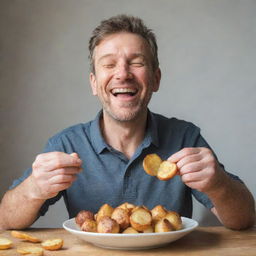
<point x="129" y="219"/>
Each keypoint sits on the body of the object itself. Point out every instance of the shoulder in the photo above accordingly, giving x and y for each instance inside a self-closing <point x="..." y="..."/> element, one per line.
<point x="71" y="132"/>
<point x="173" y="123"/>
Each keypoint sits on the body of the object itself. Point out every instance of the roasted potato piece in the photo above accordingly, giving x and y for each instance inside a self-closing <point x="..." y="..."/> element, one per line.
<point x="150" y="229"/>
<point x="127" y="206"/>
<point x="175" y="219"/>
<point x="130" y="230"/>
<point x="82" y="216"/>
<point x="25" y="236"/>
<point x="52" y="244"/>
<point x="167" y="170"/>
<point x="163" y="225"/>
<point x="31" y="250"/>
<point x="89" y="226"/>
<point x="151" y="164"/>
<point x="158" y="212"/>
<point x="5" y="243"/>
<point x="105" y="210"/>
<point x="121" y="216"/>
<point x="140" y="219"/>
<point x="107" y="225"/>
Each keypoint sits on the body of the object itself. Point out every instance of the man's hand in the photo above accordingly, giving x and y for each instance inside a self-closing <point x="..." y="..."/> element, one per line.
<point x="198" y="168"/>
<point x="53" y="172"/>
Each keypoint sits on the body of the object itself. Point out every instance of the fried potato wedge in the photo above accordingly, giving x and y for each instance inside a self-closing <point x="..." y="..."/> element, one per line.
<point x="31" y="250"/>
<point x="151" y="164"/>
<point x="167" y="170"/>
<point x="5" y="243"/>
<point x="107" y="225"/>
<point x="25" y="236"/>
<point x="140" y="219"/>
<point x="52" y="244"/>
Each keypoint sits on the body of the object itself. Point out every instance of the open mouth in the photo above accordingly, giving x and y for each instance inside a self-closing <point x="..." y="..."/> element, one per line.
<point x="124" y="91"/>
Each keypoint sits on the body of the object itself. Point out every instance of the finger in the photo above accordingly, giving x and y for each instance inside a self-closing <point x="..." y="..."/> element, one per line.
<point x="55" y="188"/>
<point x="191" y="167"/>
<point x="66" y="171"/>
<point x="58" y="179"/>
<point x="74" y="155"/>
<point x="191" y="177"/>
<point x="56" y="160"/>
<point x="182" y="153"/>
<point x="189" y="159"/>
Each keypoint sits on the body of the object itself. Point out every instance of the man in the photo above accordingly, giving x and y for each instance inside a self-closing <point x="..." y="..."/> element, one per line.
<point x="101" y="161"/>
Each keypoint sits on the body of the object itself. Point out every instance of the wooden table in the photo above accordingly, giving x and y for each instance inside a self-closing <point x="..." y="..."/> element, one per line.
<point x="205" y="241"/>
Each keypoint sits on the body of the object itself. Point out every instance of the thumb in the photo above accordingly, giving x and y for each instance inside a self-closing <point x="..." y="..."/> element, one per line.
<point x="74" y="155"/>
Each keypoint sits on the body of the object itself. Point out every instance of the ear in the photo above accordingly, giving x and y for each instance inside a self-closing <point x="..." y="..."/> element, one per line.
<point x="93" y="84"/>
<point x="157" y="78"/>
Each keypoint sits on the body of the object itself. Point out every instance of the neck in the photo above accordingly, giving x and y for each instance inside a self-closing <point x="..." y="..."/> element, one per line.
<point x="124" y="136"/>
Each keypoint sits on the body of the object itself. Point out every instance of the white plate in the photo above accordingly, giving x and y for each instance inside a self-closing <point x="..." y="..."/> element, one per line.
<point x="131" y="241"/>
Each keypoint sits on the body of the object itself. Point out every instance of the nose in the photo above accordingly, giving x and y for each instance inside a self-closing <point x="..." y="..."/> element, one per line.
<point x="123" y="72"/>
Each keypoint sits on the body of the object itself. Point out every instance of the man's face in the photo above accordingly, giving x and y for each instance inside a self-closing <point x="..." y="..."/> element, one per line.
<point x="124" y="79"/>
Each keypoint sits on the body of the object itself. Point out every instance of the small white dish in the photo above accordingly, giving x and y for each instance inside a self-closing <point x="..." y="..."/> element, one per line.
<point x="131" y="241"/>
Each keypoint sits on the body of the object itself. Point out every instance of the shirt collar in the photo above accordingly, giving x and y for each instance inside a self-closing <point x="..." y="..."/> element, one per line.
<point x="100" y="144"/>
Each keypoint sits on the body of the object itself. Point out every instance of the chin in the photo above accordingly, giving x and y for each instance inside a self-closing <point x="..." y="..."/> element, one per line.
<point x="125" y="115"/>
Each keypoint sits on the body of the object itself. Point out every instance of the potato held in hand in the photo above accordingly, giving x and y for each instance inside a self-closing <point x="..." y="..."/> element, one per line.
<point x="163" y="170"/>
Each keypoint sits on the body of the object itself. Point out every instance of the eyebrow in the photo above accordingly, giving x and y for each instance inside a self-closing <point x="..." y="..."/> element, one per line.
<point x="134" y="55"/>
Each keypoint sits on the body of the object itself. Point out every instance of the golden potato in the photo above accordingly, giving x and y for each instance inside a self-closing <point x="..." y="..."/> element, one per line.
<point x="107" y="225"/>
<point x="140" y="219"/>
<point x="130" y="230"/>
<point x="127" y="206"/>
<point x="52" y="244"/>
<point x="150" y="229"/>
<point x="167" y="170"/>
<point x="5" y="243"/>
<point x="82" y="216"/>
<point x="158" y="212"/>
<point x="25" y="236"/>
<point x="31" y="250"/>
<point x="175" y="219"/>
<point x="105" y="210"/>
<point x="151" y="164"/>
<point x="163" y="225"/>
<point x="121" y="216"/>
<point x="89" y="226"/>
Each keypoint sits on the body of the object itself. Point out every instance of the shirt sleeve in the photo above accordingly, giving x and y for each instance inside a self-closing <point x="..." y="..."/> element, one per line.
<point x="200" y="196"/>
<point x="50" y="147"/>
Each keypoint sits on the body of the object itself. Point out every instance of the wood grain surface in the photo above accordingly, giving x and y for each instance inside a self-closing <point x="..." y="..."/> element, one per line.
<point x="202" y="241"/>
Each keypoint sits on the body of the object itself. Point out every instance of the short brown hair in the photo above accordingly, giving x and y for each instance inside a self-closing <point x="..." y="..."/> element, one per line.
<point x="123" y="23"/>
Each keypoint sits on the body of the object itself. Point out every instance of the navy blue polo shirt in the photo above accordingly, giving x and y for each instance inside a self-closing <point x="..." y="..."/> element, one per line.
<point x="109" y="177"/>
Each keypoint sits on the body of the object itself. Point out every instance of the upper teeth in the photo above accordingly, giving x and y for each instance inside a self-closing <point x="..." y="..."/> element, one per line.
<point x="123" y="90"/>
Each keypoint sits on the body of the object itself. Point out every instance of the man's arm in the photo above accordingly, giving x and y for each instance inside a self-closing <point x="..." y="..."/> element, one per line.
<point x="233" y="202"/>
<point x="18" y="208"/>
<point x="52" y="172"/>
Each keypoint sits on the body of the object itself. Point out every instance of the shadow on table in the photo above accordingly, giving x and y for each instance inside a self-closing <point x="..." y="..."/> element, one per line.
<point x="195" y="241"/>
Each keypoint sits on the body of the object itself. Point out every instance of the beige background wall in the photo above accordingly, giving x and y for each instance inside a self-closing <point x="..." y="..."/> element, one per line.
<point x="207" y="55"/>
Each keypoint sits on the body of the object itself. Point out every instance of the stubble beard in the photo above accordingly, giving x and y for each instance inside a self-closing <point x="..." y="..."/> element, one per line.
<point x="128" y="111"/>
